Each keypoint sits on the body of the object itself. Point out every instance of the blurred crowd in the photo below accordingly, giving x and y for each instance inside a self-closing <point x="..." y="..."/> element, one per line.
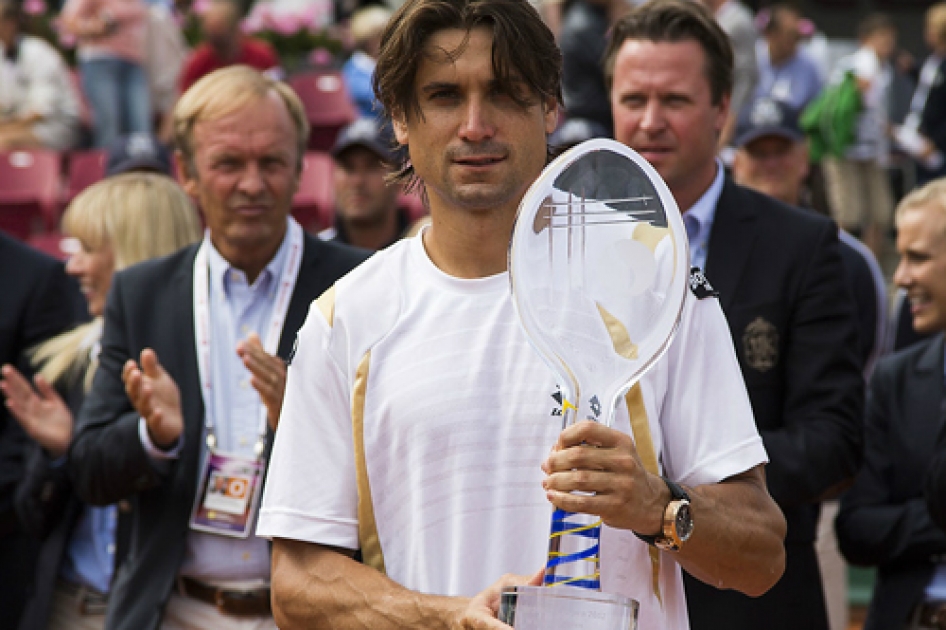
<point x="144" y="353"/>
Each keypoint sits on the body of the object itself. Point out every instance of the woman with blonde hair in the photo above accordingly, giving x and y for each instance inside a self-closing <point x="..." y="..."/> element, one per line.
<point x="113" y="224"/>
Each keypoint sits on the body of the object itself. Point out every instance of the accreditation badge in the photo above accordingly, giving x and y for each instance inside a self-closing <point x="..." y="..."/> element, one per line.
<point x="228" y="494"/>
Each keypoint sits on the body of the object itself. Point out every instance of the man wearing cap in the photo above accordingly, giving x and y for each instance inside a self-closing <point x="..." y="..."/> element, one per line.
<point x="367" y="214"/>
<point x="137" y="152"/>
<point x="772" y="158"/>
<point x="778" y="273"/>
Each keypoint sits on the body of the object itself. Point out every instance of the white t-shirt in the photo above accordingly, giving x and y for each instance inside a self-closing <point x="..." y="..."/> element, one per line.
<point x="38" y="82"/>
<point x="458" y="414"/>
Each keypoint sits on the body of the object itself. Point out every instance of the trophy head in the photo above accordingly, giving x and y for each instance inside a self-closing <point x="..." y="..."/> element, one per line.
<point x="598" y="263"/>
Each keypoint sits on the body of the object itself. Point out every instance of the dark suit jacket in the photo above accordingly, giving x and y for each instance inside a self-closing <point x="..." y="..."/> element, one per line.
<point x="782" y="288"/>
<point x="49" y="509"/>
<point x="151" y="305"/>
<point x="884" y="520"/>
<point x="936" y="487"/>
<point x="37" y="301"/>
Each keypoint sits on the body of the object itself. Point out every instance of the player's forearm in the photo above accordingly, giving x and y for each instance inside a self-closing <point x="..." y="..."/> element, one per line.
<point x="738" y="540"/>
<point x="318" y="587"/>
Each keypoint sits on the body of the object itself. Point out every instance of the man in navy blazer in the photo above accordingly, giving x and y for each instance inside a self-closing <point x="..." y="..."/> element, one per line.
<point x="781" y="285"/>
<point x="192" y="367"/>
<point x="885" y="521"/>
<point x="38" y="301"/>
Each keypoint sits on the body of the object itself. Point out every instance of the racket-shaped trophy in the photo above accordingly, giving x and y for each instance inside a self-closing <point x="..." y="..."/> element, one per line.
<point x="599" y="269"/>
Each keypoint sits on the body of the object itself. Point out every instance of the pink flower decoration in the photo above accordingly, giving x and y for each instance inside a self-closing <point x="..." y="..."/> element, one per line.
<point x="34" y="7"/>
<point x="285" y="24"/>
<point x="320" y="58"/>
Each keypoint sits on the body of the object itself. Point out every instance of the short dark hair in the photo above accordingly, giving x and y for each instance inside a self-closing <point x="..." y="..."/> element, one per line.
<point x="523" y="49"/>
<point x="873" y="23"/>
<point x="676" y="21"/>
<point x="776" y="13"/>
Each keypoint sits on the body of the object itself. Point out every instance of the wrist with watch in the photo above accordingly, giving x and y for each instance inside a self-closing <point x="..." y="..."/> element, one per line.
<point x="677" y="521"/>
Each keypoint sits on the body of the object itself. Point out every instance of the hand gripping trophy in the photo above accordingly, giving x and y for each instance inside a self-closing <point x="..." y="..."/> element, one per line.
<point x="599" y="268"/>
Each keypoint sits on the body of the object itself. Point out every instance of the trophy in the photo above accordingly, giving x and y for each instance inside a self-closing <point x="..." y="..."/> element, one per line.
<point x="599" y="267"/>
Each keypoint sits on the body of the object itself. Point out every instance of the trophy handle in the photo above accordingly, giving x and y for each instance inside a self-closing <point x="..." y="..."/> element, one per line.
<point x="574" y="551"/>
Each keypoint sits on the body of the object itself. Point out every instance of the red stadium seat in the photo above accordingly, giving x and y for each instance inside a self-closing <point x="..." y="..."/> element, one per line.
<point x="30" y="189"/>
<point x="327" y="104"/>
<point x="314" y="203"/>
<point x="85" y="168"/>
<point x="413" y="204"/>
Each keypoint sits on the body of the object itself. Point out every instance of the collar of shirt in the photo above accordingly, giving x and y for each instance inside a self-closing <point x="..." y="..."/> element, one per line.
<point x="699" y="219"/>
<point x="226" y="276"/>
<point x="236" y="310"/>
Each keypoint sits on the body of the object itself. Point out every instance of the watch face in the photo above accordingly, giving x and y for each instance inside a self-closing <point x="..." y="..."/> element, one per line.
<point x="684" y="522"/>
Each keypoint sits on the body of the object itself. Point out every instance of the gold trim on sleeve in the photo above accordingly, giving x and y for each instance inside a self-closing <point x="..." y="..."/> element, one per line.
<point x="367" y="527"/>
<point x="326" y="304"/>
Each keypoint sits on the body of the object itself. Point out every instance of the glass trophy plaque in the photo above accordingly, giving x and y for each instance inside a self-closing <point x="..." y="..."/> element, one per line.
<point x="599" y="266"/>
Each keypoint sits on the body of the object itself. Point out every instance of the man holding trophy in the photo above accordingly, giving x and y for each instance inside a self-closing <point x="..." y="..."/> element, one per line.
<point x="421" y="429"/>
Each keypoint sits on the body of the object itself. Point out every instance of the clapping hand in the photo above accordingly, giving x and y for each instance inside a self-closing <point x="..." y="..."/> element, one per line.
<point x="41" y="412"/>
<point x="269" y="375"/>
<point x="155" y="396"/>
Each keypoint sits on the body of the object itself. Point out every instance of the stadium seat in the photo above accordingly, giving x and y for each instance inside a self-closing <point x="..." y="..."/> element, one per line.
<point x="327" y="104"/>
<point x="85" y="168"/>
<point x="413" y="204"/>
<point x="30" y="189"/>
<point x="313" y="205"/>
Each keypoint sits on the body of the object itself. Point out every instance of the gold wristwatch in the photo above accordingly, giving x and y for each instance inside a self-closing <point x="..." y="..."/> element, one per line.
<point x="677" y="521"/>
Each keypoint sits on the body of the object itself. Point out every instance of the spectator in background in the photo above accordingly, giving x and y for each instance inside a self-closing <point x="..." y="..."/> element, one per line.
<point x="112" y="38"/>
<point x="858" y="186"/>
<point x="366" y="27"/>
<point x="137" y="152"/>
<point x="923" y="133"/>
<point x="885" y="520"/>
<point x="772" y="157"/>
<point x="736" y="21"/>
<point x="366" y="203"/>
<point x="158" y="409"/>
<point x="583" y="39"/>
<point x="38" y="105"/>
<point x="166" y="53"/>
<point x="781" y="285"/>
<point x="38" y="303"/>
<point x="224" y="44"/>
<point x="785" y="72"/>
<point x="118" y="222"/>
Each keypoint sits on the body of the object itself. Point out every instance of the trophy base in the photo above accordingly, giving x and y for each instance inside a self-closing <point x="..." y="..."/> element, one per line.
<point x="566" y="608"/>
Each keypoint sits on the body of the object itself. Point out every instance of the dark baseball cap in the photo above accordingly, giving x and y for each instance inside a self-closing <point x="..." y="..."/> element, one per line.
<point x="137" y="152"/>
<point x="766" y="116"/>
<point x="367" y="133"/>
